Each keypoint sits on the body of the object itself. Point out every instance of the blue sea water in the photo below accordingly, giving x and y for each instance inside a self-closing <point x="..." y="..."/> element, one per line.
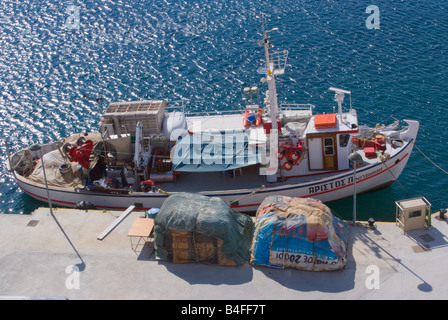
<point x="61" y="67"/>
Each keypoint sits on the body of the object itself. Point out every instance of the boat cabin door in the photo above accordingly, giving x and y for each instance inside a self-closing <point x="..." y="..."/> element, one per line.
<point x="322" y="151"/>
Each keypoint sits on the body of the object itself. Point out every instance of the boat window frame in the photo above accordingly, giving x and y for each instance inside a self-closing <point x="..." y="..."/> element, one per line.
<point x="415" y="214"/>
<point x="325" y="146"/>
<point x="344" y="140"/>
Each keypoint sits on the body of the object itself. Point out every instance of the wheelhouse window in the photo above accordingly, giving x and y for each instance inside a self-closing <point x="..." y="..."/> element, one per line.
<point x="343" y="140"/>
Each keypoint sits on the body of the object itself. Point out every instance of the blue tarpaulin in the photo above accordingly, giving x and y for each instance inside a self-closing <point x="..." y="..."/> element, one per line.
<point x="205" y="152"/>
<point x="298" y="233"/>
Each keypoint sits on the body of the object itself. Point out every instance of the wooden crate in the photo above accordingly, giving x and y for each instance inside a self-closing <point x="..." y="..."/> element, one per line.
<point x="193" y="247"/>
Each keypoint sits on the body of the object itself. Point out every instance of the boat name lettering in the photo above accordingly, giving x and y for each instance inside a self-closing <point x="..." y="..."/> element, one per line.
<point x="366" y="175"/>
<point x="328" y="186"/>
<point x="341" y="182"/>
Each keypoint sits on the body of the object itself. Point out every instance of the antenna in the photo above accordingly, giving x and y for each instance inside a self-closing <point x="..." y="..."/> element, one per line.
<point x="262" y="22"/>
<point x="339" y="97"/>
<point x="264" y="27"/>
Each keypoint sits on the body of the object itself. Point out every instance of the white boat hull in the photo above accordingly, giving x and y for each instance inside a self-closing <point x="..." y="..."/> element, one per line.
<point x="336" y="187"/>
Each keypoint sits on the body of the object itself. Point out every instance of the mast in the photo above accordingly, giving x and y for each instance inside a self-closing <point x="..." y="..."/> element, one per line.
<point x="270" y="77"/>
<point x="274" y="65"/>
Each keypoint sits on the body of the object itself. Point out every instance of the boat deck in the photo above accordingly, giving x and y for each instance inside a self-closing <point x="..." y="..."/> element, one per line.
<point x="242" y="178"/>
<point x="218" y="122"/>
<point x="245" y="178"/>
<point x="39" y="250"/>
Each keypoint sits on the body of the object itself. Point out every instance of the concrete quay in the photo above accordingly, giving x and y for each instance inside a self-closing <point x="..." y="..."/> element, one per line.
<point x="58" y="256"/>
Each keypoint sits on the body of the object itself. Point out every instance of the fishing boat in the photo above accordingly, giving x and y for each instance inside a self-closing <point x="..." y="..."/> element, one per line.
<point x="148" y="150"/>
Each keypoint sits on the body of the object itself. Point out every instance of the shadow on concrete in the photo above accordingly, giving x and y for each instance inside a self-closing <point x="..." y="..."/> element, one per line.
<point x="369" y="238"/>
<point x="196" y="273"/>
<point x="328" y="281"/>
<point x="325" y="281"/>
<point x="81" y="266"/>
<point x="144" y="250"/>
<point x="308" y="281"/>
<point x="428" y="238"/>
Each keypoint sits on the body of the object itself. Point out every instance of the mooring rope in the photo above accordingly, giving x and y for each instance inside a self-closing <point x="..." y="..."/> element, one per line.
<point x="4" y="173"/>
<point x="396" y="179"/>
<point x="247" y="195"/>
<point x="437" y="166"/>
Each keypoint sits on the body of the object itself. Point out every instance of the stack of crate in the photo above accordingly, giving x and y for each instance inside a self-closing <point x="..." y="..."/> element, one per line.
<point x="126" y="115"/>
<point x="194" y="247"/>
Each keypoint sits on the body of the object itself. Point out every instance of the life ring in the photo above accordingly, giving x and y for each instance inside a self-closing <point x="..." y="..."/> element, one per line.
<point x="248" y="119"/>
<point x="295" y="156"/>
<point x="246" y="122"/>
<point x="282" y="152"/>
<point x="259" y="114"/>
<point x="288" y="165"/>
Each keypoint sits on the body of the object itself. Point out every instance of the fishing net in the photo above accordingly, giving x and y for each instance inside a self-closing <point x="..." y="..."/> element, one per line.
<point x="196" y="228"/>
<point x="55" y="177"/>
<point x="59" y="170"/>
<point x="298" y="233"/>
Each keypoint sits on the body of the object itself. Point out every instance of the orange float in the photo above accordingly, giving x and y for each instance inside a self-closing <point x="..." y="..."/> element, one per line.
<point x="257" y="118"/>
<point x="246" y="121"/>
